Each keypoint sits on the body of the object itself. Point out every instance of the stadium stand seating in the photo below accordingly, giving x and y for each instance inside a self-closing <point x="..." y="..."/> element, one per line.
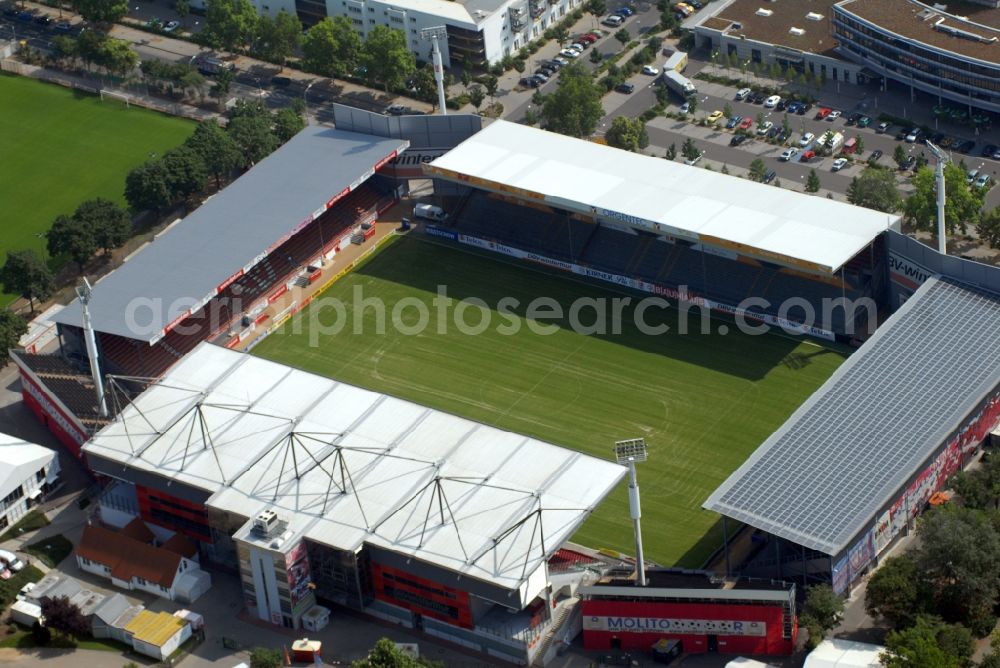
<point x="136" y="358"/>
<point x="642" y="255"/>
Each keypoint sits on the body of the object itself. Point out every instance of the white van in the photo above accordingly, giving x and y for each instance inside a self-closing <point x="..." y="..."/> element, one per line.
<point x="11" y="560"/>
<point x="429" y="212"/>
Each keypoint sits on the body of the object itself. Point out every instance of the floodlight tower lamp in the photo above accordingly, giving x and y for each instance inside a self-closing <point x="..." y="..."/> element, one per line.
<point x="83" y="294"/>
<point x="435" y="33"/>
<point x="629" y="453"/>
<point x="942" y="160"/>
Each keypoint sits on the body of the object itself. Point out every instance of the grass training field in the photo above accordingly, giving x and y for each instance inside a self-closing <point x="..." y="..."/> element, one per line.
<point x="703" y="402"/>
<point x="61" y="148"/>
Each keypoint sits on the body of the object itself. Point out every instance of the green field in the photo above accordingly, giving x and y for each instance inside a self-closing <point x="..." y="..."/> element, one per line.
<point x="703" y="402"/>
<point x="62" y="147"/>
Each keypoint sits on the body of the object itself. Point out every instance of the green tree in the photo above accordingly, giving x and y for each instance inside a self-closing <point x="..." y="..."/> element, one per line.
<point x="812" y="182"/>
<point x="671" y="152"/>
<point x="919" y="646"/>
<point x="692" y="102"/>
<point x="596" y="7"/>
<point x="623" y="36"/>
<point x="230" y="24"/>
<point x="12" y="328"/>
<point x="727" y="110"/>
<point x="893" y="592"/>
<point x="476" y="96"/>
<point x="757" y="170"/>
<point x="117" y="56"/>
<point x="387" y="57"/>
<point x="385" y="654"/>
<point x="277" y="37"/>
<point x="958" y="556"/>
<point x="224" y="79"/>
<point x="725" y="169"/>
<point x="182" y="8"/>
<point x="775" y="71"/>
<point x="575" y="107"/>
<point x="104" y="12"/>
<point x="147" y="187"/>
<point x="425" y="85"/>
<point x="64" y="616"/>
<point x="25" y="274"/>
<point x="331" y="47"/>
<point x="875" y="189"/>
<point x="988" y="230"/>
<point x="490" y="84"/>
<point x="786" y="126"/>
<point x="287" y="124"/>
<point x="186" y="172"/>
<point x="627" y="133"/>
<point x="595" y="56"/>
<point x="110" y="224"/>
<point x="859" y="146"/>
<point x="962" y="204"/>
<point x="253" y="137"/>
<point x="560" y="34"/>
<point x="900" y="155"/>
<point x="68" y="237"/>
<point x="262" y="657"/>
<point x="688" y="150"/>
<point x="761" y="118"/>
<point x="89" y="46"/>
<point x="823" y="605"/>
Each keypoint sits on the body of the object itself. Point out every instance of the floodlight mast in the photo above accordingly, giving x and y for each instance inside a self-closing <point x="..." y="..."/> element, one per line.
<point x="942" y="160"/>
<point x="83" y="293"/>
<point x="435" y="33"/>
<point x="629" y="453"/>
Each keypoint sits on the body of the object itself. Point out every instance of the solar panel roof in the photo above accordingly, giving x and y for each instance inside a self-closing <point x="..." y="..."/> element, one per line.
<point x="186" y="264"/>
<point x="845" y="453"/>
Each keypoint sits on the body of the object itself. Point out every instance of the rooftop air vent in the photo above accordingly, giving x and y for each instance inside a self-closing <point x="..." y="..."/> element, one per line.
<point x="265" y="523"/>
<point x="798" y="32"/>
<point x="940" y="7"/>
<point x="813" y="16"/>
<point x="764" y="12"/>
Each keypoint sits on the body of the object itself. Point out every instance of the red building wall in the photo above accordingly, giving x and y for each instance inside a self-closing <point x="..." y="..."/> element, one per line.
<point x="422" y="596"/>
<point x="622" y="614"/>
<point x="173" y="513"/>
<point x="50" y="415"/>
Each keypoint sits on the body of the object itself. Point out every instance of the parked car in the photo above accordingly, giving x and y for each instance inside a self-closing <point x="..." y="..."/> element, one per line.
<point x="875" y="155"/>
<point x="823" y="113"/>
<point x="759" y="97"/>
<point x="63" y="28"/>
<point x="626" y="12"/>
<point x="852" y="119"/>
<point x="772" y="102"/>
<point x="540" y="76"/>
<point x="965" y="146"/>
<point x="43" y="20"/>
<point x="11" y="12"/>
<point x="579" y="46"/>
<point x="743" y="93"/>
<point x="530" y="82"/>
<point x="397" y="110"/>
<point x="737" y="140"/>
<point x="984" y="181"/>
<point x="788" y="154"/>
<point x="769" y="176"/>
<point x="626" y="88"/>
<point x="714" y="116"/>
<point x="882" y="127"/>
<point x="25" y="590"/>
<point x="614" y="21"/>
<point x="807" y="156"/>
<point x="970" y="176"/>
<point x="586" y="38"/>
<point x="793" y="107"/>
<point x="781" y="106"/>
<point x="26" y="17"/>
<point x="807" y="139"/>
<point x="650" y="70"/>
<point x="733" y="122"/>
<point x="864" y="122"/>
<point x="764" y="127"/>
<point x="11" y="560"/>
<point x="989" y="150"/>
<point x="746" y="123"/>
<point x="171" y="26"/>
<point x="839" y="164"/>
<point x="908" y="163"/>
<point x="773" y="132"/>
<point x="804" y="109"/>
<point x="914" y="135"/>
<point x="569" y="53"/>
<point x="901" y="135"/>
<point x="833" y="115"/>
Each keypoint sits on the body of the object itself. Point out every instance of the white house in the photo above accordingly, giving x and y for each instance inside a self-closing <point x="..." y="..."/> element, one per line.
<point x="27" y="473"/>
<point x="171" y="570"/>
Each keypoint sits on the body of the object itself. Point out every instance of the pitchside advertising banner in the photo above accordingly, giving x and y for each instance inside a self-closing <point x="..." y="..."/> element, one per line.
<point x="677" y="626"/>
<point x="633" y="283"/>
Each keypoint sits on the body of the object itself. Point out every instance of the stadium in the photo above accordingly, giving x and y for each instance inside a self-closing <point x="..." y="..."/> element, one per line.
<point x="434" y="478"/>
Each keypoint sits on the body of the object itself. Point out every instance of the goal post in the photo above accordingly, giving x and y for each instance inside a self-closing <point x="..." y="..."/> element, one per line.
<point x="116" y="95"/>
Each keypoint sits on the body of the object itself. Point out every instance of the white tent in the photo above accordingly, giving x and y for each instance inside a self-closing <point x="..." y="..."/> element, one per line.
<point x="844" y="654"/>
<point x="743" y="662"/>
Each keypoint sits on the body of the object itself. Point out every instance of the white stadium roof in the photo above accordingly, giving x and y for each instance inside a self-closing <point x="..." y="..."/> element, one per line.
<point x="20" y="459"/>
<point x="661" y="196"/>
<point x="346" y="466"/>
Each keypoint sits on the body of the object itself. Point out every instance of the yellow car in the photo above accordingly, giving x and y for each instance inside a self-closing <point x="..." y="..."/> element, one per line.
<point x="714" y="116"/>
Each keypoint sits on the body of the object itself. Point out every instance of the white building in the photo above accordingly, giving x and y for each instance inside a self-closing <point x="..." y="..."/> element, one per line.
<point x="482" y="30"/>
<point x="27" y="472"/>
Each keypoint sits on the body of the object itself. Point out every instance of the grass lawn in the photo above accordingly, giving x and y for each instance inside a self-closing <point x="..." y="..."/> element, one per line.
<point x="61" y="147"/>
<point x="23" y="639"/>
<point x="703" y="402"/>
<point x="51" y="551"/>
<point x="9" y="588"/>
<point x="33" y="520"/>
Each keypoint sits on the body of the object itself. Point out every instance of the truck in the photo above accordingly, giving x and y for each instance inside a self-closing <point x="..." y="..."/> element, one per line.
<point x="831" y="141"/>
<point x="676" y="60"/>
<point x="429" y="212"/>
<point x="210" y="66"/>
<point x="678" y="83"/>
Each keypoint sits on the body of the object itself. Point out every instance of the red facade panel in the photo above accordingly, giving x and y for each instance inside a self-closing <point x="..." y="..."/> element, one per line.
<point x="422" y="596"/>
<point x="738" y="628"/>
<point x="173" y="513"/>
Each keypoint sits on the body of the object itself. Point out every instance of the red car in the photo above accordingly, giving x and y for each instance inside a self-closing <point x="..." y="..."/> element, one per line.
<point x="823" y="113"/>
<point x="586" y="39"/>
<point x="745" y="124"/>
<point x="807" y="156"/>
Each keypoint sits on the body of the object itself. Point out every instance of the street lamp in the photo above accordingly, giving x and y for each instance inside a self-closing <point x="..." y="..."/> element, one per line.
<point x="434" y="33"/>
<point x="629" y="453"/>
<point x="942" y="159"/>
<point x="84" y="293"/>
<point x="305" y="99"/>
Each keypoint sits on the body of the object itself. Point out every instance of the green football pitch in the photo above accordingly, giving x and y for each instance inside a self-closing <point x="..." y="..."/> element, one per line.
<point x="703" y="402"/>
<point x="62" y="147"/>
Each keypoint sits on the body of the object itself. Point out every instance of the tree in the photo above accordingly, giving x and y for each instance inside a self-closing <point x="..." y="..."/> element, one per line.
<point x="727" y="111"/>
<point x="89" y="46"/>
<point x="775" y="71"/>
<point x="962" y="204"/>
<point x="900" y="155"/>
<point x="250" y="129"/>
<point x="385" y="654"/>
<point x="596" y="57"/>
<point x="859" y="146"/>
<point x="692" y="103"/>
<point x="671" y="152"/>
<point x="387" y="57"/>
<point x="761" y="118"/>
<point x="893" y="592"/>
<point x="812" y="182"/>
<point x="689" y="150"/>
<point x="596" y="7"/>
<point x="757" y="170"/>
<point x="64" y="616"/>
<point x="223" y="82"/>
<point x="25" y="274"/>
<point x="786" y="126"/>
<point x="331" y="47"/>
<point x="182" y="8"/>
<point x="147" y="187"/>
<point x="490" y="83"/>
<point x="104" y="12"/>
<point x="261" y="657"/>
<point x="41" y="635"/>
<point x="277" y="37"/>
<point x="230" y="24"/>
<point x="623" y="36"/>
<point x="186" y="172"/>
<point x="68" y="237"/>
<point x="918" y="646"/>
<point x="116" y="56"/>
<point x="988" y="229"/>
<point x="476" y="96"/>
<point x="287" y="124"/>
<point x="560" y="34"/>
<point x="627" y="133"/>
<point x="725" y="169"/>
<point x="12" y="328"/>
<point x="875" y="189"/>
<point x="110" y="224"/>
<point x="959" y="558"/>
<point x="823" y="606"/>
<point x="575" y="107"/>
